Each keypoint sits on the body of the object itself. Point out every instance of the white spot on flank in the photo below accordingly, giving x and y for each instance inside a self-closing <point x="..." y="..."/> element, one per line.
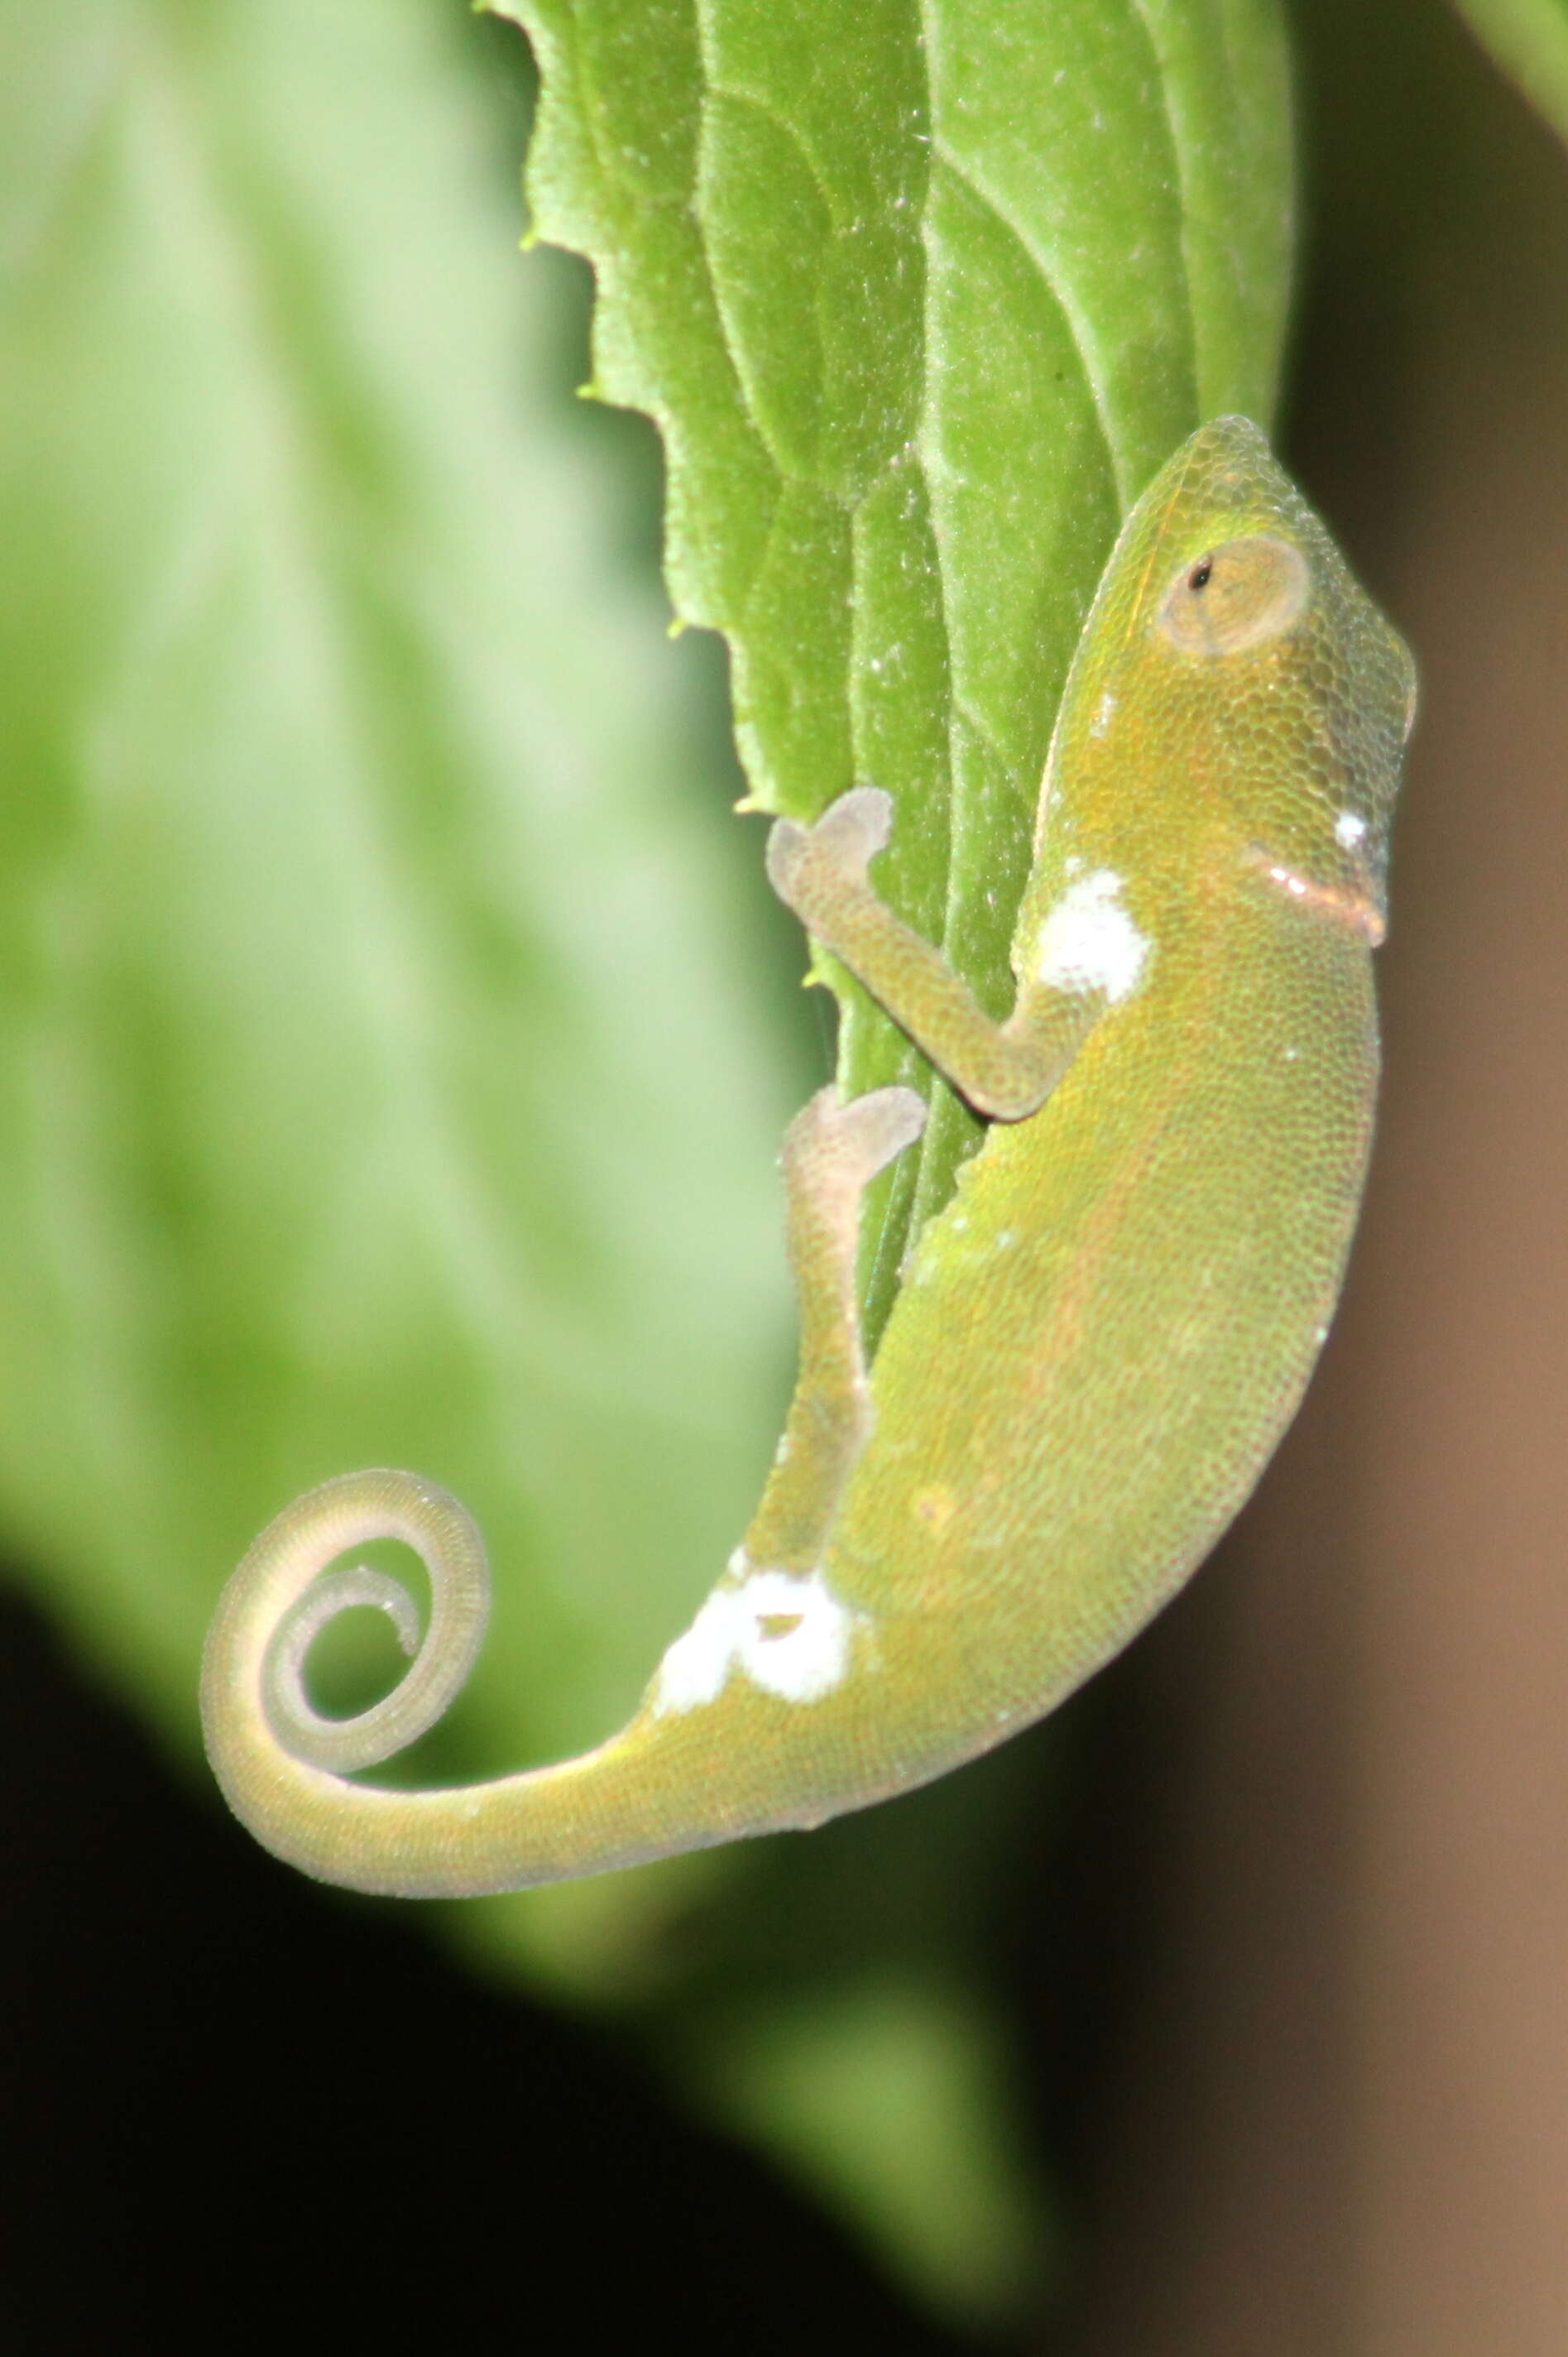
<point x="1090" y="943"/>
<point x="790" y="1636"/>
<point x="1348" y="830"/>
<point x="1104" y="713"/>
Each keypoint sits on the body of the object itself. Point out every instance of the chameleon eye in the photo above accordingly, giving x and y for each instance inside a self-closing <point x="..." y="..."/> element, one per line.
<point x="1236" y="596"/>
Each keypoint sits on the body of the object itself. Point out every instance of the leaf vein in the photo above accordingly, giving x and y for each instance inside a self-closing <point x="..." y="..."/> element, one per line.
<point x="1181" y="153"/>
<point x="1058" y="285"/>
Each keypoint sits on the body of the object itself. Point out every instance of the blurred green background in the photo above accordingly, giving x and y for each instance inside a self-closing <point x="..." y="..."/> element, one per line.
<point x="394" y="1038"/>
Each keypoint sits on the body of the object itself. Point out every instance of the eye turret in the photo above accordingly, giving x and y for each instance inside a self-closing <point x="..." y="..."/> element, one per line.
<point x="1239" y="595"/>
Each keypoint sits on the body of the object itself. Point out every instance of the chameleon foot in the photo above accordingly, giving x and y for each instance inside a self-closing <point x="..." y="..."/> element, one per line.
<point x="835" y="1149"/>
<point x="806" y="862"/>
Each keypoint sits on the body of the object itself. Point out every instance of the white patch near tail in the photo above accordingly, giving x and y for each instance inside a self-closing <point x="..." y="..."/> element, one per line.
<point x="791" y="1635"/>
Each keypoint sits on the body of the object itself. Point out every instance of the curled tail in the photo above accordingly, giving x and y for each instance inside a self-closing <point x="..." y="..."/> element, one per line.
<point x="678" y="1777"/>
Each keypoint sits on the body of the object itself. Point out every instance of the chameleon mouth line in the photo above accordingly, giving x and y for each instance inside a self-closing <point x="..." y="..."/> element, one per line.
<point x="1359" y="913"/>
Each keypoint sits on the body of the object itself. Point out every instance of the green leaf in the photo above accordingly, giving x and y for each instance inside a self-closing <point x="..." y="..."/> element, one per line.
<point x="870" y="2091"/>
<point x="385" y="1073"/>
<point x="1528" y="38"/>
<point x="386" y="1070"/>
<point x="919" y="298"/>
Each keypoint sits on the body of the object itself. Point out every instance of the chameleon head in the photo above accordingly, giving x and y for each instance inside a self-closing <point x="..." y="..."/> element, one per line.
<point x="1278" y="697"/>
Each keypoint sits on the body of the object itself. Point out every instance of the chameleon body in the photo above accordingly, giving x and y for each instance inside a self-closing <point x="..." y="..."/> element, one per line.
<point x="1096" y="1345"/>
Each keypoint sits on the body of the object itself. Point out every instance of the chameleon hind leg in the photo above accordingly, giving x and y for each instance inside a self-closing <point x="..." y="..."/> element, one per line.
<point x="831" y="1153"/>
<point x="1006" y="1069"/>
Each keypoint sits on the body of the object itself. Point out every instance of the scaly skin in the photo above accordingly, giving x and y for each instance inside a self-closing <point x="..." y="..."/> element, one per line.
<point x="1097" y="1344"/>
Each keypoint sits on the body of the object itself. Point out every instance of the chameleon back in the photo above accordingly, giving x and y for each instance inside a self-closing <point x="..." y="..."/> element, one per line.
<point x="1098" y="1343"/>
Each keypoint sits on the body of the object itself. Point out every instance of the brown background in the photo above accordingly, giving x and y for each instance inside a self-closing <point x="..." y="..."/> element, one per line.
<point x="1340" y="2124"/>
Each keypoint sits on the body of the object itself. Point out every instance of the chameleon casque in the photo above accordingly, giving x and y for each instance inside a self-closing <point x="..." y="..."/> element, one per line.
<point x="1096" y="1344"/>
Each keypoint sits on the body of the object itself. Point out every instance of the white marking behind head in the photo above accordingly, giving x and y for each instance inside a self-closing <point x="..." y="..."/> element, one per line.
<point x="1090" y="943"/>
<point x="1349" y="829"/>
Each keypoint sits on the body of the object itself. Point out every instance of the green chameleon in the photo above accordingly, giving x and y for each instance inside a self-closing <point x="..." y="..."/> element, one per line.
<point x="1095" y="1346"/>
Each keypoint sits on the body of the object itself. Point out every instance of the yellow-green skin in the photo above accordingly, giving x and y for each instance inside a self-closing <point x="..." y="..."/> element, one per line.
<point x="1097" y="1344"/>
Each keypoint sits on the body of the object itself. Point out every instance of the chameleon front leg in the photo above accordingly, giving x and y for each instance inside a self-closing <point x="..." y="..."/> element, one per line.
<point x="831" y="1153"/>
<point x="1006" y="1070"/>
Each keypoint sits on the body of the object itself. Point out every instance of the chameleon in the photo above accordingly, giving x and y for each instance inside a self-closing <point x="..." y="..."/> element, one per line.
<point x="1095" y="1345"/>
